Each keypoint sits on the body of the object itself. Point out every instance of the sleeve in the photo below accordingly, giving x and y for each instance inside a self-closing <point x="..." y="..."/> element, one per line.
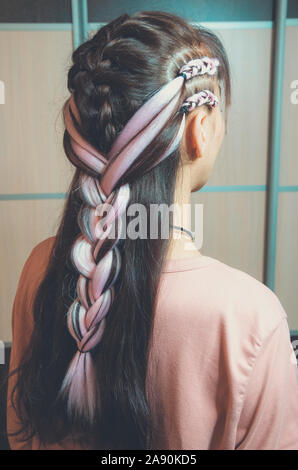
<point x="269" y="415"/>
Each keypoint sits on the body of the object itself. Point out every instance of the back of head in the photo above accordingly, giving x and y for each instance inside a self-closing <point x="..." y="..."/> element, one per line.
<point x="103" y="290"/>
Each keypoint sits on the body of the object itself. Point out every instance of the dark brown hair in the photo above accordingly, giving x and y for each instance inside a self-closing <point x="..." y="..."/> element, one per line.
<point x="112" y="75"/>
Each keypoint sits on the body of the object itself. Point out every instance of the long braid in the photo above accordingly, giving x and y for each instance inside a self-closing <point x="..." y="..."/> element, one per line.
<point x="98" y="260"/>
<point x="95" y="255"/>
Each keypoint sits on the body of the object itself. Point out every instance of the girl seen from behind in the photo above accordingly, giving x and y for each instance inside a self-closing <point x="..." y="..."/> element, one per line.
<point x="144" y="343"/>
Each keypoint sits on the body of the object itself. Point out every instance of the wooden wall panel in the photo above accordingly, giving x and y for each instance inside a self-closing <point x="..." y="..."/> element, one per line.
<point x="23" y="225"/>
<point x="289" y="136"/>
<point x="234" y="228"/>
<point x="34" y="69"/>
<point x="287" y="256"/>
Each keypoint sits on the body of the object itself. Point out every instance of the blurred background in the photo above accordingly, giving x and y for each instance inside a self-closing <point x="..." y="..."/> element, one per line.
<point x="251" y="200"/>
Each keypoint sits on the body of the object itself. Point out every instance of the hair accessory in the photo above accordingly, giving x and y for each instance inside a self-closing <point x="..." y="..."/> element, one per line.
<point x="199" y="66"/>
<point x="99" y="268"/>
<point x="203" y="97"/>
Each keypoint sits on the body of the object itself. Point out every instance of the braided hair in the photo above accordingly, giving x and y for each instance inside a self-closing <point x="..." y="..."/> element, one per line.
<point x="132" y="85"/>
<point x="97" y="257"/>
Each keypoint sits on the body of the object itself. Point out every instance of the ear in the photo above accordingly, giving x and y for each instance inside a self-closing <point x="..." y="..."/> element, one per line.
<point x="198" y="133"/>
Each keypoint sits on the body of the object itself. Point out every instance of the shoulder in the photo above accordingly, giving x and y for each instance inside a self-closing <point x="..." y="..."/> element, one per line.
<point x="43" y="248"/>
<point x="34" y="267"/>
<point x="29" y="280"/>
<point x="244" y="301"/>
<point x="248" y="292"/>
<point x="226" y="299"/>
<point x="40" y="254"/>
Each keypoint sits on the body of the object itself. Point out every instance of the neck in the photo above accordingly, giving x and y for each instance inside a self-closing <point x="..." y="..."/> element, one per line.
<point x="181" y="246"/>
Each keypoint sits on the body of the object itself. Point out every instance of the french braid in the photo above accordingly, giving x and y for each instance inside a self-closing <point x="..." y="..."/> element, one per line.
<point x="95" y="255"/>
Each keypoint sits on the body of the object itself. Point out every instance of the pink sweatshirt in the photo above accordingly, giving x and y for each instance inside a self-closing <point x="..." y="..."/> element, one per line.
<point x="222" y="371"/>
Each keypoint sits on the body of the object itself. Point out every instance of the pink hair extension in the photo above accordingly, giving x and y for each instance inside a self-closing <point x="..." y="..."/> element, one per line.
<point x="129" y="154"/>
<point x="174" y="144"/>
<point x="99" y="267"/>
<point x="199" y="67"/>
<point x="145" y="114"/>
<point x="203" y="97"/>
